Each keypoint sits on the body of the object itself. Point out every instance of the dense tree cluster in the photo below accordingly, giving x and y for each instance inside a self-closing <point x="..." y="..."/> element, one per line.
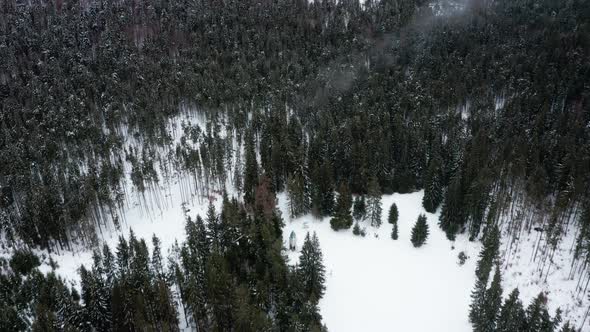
<point x="127" y="290"/>
<point x="229" y="275"/>
<point x="489" y="314"/>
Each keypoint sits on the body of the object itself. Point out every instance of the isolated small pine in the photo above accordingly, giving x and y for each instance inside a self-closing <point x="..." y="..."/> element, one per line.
<point x="394" y="234"/>
<point x="393" y="214"/>
<point x="420" y="231"/>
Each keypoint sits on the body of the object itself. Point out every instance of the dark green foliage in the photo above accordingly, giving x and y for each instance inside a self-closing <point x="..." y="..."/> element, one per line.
<point x="433" y="188"/>
<point x="452" y="218"/>
<point x="393" y="214"/>
<point x="489" y="254"/>
<point x="374" y="208"/>
<point x="24" y="261"/>
<point x="476" y="308"/>
<point x="322" y="196"/>
<point x="394" y="232"/>
<point x="311" y="268"/>
<point x="392" y="219"/>
<point x="359" y="208"/>
<point x="512" y="316"/>
<point x="420" y="231"/>
<point x="492" y="303"/>
<point x="342" y="218"/>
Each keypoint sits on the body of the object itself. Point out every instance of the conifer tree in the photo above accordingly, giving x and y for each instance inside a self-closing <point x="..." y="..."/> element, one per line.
<point x="342" y="218"/>
<point x="392" y="219"/>
<point x="452" y="216"/>
<point x="359" y="209"/>
<point x="433" y="193"/>
<point x="393" y="214"/>
<point x="394" y="232"/>
<point x="492" y="303"/>
<point x="374" y="209"/>
<point x="512" y="316"/>
<point x="311" y="268"/>
<point x="298" y="195"/>
<point x="420" y="231"/>
<point x="476" y="308"/>
<point x="322" y="195"/>
<point x="488" y="254"/>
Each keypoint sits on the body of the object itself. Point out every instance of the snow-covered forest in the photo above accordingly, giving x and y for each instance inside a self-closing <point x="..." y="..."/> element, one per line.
<point x="295" y="166"/>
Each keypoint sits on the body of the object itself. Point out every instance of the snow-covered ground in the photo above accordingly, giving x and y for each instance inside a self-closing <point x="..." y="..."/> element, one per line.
<point x="377" y="284"/>
<point x="522" y="272"/>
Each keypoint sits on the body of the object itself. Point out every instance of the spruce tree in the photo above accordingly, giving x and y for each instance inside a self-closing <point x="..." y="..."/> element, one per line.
<point x="420" y="231"/>
<point x="359" y="209"/>
<point x="374" y="209"/>
<point x="476" y="308"/>
<point x="433" y="193"/>
<point x="392" y="219"/>
<point x="512" y="316"/>
<point x="342" y="218"/>
<point x="452" y="217"/>
<point x="311" y="268"/>
<point x="492" y="302"/>
<point x="488" y="254"/>
<point x="393" y="214"/>
<point x="394" y="232"/>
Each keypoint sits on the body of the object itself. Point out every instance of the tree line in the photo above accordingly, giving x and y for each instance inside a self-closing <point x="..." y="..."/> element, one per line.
<point x="230" y="274"/>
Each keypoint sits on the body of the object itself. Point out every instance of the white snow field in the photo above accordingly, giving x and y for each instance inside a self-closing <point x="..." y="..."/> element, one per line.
<point x="377" y="284"/>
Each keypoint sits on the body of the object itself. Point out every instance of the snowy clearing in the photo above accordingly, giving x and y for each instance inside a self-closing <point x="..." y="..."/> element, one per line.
<point x="375" y="283"/>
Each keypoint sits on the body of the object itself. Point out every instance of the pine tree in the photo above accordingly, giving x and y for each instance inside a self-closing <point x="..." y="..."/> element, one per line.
<point x="489" y="254"/>
<point x="374" y="208"/>
<point x="492" y="303"/>
<point x="394" y="232"/>
<point x="393" y="214"/>
<point x="359" y="209"/>
<point x="157" y="264"/>
<point x="220" y="292"/>
<point x="342" y="218"/>
<point x="392" y="219"/>
<point x="476" y="308"/>
<point x="311" y="269"/>
<point x="452" y="217"/>
<point x="420" y="231"/>
<point x="433" y="193"/>
<point x="512" y="316"/>
<point x="538" y="317"/>
<point x="322" y="190"/>
<point x="298" y="195"/>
